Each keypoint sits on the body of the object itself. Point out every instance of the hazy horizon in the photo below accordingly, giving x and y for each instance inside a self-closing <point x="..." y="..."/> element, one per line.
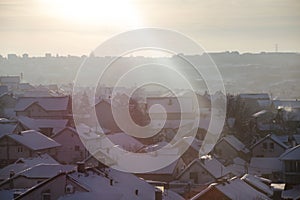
<point x="77" y="27"/>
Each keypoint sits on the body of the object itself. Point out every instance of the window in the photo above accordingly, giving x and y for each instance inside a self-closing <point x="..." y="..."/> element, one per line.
<point x="77" y="148"/>
<point x="170" y="102"/>
<point x="20" y="149"/>
<point x="272" y="146"/>
<point x="265" y="146"/>
<point x="46" y="195"/>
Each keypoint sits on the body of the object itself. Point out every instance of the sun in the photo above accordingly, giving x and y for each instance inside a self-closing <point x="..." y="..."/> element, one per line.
<point x="94" y="12"/>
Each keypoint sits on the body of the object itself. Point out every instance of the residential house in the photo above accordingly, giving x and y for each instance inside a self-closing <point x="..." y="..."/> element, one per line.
<point x="269" y="146"/>
<point x="291" y="165"/>
<point x="34" y="175"/>
<point x="268" y="167"/>
<point x="234" y="188"/>
<point x="44" y="107"/>
<point x="25" y="144"/>
<point x="11" y="82"/>
<point x="10" y="126"/>
<point x="94" y="184"/>
<point x="48" y="127"/>
<point x="166" y="174"/>
<point x="203" y="171"/>
<point x="105" y="116"/>
<point x="25" y="163"/>
<point x="72" y="149"/>
<point x="229" y="147"/>
<point x="7" y="105"/>
<point x="289" y="110"/>
<point x="173" y="109"/>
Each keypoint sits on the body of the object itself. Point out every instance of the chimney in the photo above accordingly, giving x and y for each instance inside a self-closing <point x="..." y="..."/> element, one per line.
<point x="80" y="167"/>
<point x="158" y="194"/>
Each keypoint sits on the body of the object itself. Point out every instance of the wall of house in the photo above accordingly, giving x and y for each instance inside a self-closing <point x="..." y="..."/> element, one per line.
<point x="202" y="175"/>
<point x="225" y="150"/>
<point x="263" y="149"/>
<point x="55" y="187"/>
<point x="213" y="194"/>
<point x="10" y="151"/>
<point x="36" y="111"/>
<point x="291" y="171"/>
<point x="71" y="149"/>
<point x="105" y="117"/>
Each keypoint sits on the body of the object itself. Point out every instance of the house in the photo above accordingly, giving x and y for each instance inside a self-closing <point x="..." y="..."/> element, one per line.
<point x="25" y="163"/>
<point x="290" y="112"/>
<point x="34" y="175"/>
<point x="125" y="141"/>
<point x="269" y="146"/>
<point x="72" y="149"/>
<point x="173" y="109"/>
<point x="203" y="171"/>
<point x="234" y="188"/>
<point x="25" y="144"/>
<point x="268" y="167"/>
<point x="229" y="147"/>
<point x="258" y="183"/>
<point x="192" y="152"/>
<point x="291" y="165"/>
<point x="166" y="174"/>
<point x="92" y="184"/>
<point x="105" y="116"/>
<point x="44" y="107"/>
<point x="11" y="82"/>
<point x="10" y="126"/>
<point x="7" y="105"/>
<point x="48" y="127"/>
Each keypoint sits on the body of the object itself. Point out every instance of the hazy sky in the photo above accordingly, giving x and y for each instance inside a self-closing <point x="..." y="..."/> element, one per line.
<point x="77" y="27"/>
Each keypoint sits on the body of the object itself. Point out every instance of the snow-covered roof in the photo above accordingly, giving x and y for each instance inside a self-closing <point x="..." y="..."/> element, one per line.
<point x="48" y="103"/>
<point x="25" y="163"/>
<point x="255" y="96"/>
<point x="211" y="165"/>
<point x="9" y="79"/>
<point x="37" y="124"/>
<point x="291" y="154"/>
<point x="263" y="103"/>
<point x="264" y="165"/>
<point x="272" y="137"/>
<point x="257" y="183"/>
<point x="34" y="140"/>
<point x="166" y="170"/>
<point x="171" y="104"/>
<point x="293" y="193"/>
<point x="290" y="103"/>
<point x="238" y="189"/>
<point x="235" y="143"/>
<point x="234" y="188"/>
<point x="123" y="187"/>
<point x="237" y="167"/>
<point x="126" y="141"/>
<point x="6" y="128"/>
<point x="46" y="170"/>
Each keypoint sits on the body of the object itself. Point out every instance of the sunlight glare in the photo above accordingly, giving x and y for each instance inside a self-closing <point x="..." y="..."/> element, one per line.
<point x="95" y="12"/>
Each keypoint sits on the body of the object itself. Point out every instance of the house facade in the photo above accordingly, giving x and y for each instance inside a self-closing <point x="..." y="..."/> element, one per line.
<point x="44" y="107"/>
<point x="291" y="165"/>
<point x="269" y="146"/>
<point x="71" y="150"/>
<point x="21" y="145"/>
